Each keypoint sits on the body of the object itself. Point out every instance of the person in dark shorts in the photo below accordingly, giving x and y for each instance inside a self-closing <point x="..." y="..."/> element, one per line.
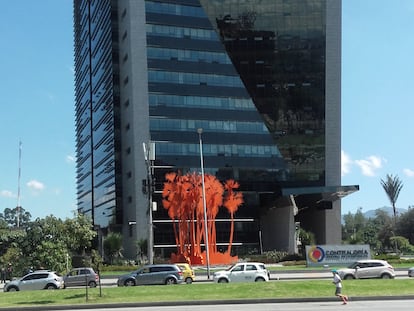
<point x="338" y="287"/>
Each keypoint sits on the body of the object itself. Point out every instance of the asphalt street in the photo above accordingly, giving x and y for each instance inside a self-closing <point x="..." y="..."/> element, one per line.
<point x="201" y="276"/>
<point x="328" y="304"/>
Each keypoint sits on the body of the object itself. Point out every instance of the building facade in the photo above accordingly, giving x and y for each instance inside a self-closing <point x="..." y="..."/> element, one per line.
<point x="261" y="78"/>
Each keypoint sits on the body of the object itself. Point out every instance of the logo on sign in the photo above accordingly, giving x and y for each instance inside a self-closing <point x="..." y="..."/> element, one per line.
<point x="316" y="254"/>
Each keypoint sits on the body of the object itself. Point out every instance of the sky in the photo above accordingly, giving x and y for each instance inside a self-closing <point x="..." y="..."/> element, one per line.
<point x="37" y="104"/>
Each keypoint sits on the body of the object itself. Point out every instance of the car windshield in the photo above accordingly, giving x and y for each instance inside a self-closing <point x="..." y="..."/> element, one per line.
<point x="353" y="265"/>
<point x="231" y="267"/>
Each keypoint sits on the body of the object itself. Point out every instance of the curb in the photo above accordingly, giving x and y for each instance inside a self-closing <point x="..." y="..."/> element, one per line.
<point x="201" y="302"/>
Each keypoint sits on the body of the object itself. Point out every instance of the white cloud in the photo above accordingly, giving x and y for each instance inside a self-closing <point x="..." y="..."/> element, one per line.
<point x="70" y="159"/>
<point x="408" y="172"/>
<point x="35" y="185"/>
<point x="370" y="165"/>
<point x="6" y="194"/>
<point x="346" y="163"/>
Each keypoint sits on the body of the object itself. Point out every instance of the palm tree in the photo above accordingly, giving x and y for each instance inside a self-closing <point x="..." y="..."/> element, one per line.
<point x="392" y="186"/>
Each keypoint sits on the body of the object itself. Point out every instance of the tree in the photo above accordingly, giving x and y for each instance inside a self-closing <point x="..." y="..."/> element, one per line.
<point x="354" y="227"/>
<point x="405" y="225"/>
<point x="45" y="242"/>
<point x="49" y="255"/>
<point x="403" y="244"/>
<point x="142" y="247"/>
<point x="392" y="186"/>
<point x="383" y="223"/>
<point x="10" y="216"/>
<point x="113" y="245"/>
<point x="306" y="238"/>
<point x="78" y="233"/>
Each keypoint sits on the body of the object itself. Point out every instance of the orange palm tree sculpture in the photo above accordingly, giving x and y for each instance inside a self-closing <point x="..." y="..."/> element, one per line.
<point x="232" y="202"/>
<point x="182" y="197"/>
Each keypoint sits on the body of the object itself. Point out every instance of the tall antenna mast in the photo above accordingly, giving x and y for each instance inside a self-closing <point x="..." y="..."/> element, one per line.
<point x="18" y="185"/>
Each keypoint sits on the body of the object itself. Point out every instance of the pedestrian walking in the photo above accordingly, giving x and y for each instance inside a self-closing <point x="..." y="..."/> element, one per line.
<point x="338" y="287"/>
<point x="3" y="275"/>
<point x="9" y="272"/>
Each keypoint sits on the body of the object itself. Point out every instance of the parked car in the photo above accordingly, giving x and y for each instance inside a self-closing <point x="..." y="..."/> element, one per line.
<point x="368" y="269"/>
<point x="411" y="272"/>
<point x="188" y="272"/>
<point x="153" y="274"/>
<point x="41" y="279"/>
<point x="243" y="272"/>
<point x="81" y="277"/>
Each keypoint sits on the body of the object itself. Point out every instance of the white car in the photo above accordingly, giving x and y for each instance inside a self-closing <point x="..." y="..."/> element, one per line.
<point x="41" y="279"/>
<point x="243" y="272"/>
<point x="368" y="269"/>
<point x="411" y="272"/>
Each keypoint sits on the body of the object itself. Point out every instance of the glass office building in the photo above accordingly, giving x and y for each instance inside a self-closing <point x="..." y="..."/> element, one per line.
<point x="261" y="78"/>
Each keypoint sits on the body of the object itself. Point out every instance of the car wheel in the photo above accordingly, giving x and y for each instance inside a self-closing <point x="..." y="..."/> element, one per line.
<point x="385" y="276"/>
<point x="259" y="280"/>
<point x="51" y="286"/>
<point x="223" y="280"/>
<point x="349" y="277"/>
<point x="92" y="284"/>
<point x="170" y="281"/>
<point x="129" y="282"/>
<point x="12" y="289"/>
<point x="189" y="280"/>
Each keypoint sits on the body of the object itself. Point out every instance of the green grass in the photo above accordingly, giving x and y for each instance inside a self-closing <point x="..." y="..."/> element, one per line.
<point x="208" y="291"/>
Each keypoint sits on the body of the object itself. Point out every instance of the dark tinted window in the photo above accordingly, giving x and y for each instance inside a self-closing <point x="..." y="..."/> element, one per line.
<point x="238" y="268"/>
<point x="250" y="267"/>
<point x="84" y="271"/>
<point x="35" y="276"/>
<point x="161" y="268"/>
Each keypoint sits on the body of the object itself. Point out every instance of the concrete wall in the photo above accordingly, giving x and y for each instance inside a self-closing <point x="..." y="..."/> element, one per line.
<point x="330" y="221"/>
<point x="135" y="120"/>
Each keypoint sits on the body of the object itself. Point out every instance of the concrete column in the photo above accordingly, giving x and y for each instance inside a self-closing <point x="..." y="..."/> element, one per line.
<point x="278" y="229"/>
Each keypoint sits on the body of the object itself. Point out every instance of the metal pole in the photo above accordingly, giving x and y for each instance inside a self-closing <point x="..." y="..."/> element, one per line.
<point x="200" y="131"/>
<point x="18" y="185"/>
<point x="149" y="153"/>
<point x="150" y="233"/>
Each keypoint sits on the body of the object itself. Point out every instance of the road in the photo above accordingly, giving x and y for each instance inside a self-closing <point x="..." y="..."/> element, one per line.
<point x="377" y="305"/>
<point x="275" y="276"/>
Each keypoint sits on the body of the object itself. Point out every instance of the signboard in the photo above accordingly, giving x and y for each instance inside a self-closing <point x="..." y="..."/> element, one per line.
<point x="320" y="255"/>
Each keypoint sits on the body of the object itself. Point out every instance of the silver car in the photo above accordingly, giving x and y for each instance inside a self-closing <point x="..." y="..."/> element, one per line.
<point x="411" y="272"/>
<point x="84" y="276"/>
<point x="243" y="272"/>
<point x="153" y="274"/>
<point x="36" y="280"/>
<point x="368" y="269"/>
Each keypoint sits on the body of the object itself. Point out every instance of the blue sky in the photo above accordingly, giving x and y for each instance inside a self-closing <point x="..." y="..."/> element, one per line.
<point x="38" y="103"/>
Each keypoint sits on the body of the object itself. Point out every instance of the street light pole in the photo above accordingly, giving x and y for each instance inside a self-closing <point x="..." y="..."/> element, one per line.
<point x="200" y="131"/>
<point x="149" y="153"/>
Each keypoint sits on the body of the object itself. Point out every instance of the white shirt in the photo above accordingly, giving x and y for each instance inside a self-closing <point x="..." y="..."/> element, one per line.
<point x="337" y="280"/>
